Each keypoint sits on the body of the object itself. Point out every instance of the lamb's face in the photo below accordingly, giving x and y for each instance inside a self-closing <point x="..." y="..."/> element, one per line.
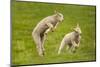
<point x="60" y="17"/>
<point x="78" y="30"/>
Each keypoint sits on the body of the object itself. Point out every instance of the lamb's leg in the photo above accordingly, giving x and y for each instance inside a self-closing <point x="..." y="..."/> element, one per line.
<point x="43" y="38"/>
<point x="46" y="32"/>
<point x="78" y="42"/>
<point x="37" y="40"/>
<point x="50" y="28"/>
<point x="73" y="48"/>
<point x="61" y="47"/>
<point x="53" y="29"/>
<point x="67" y="47"/>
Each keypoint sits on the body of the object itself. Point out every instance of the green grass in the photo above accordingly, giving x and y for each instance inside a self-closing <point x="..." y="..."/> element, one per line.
<point x="26" y="15"/>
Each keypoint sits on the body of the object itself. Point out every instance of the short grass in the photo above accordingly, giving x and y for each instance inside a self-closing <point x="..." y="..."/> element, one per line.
<point x="26" y="15"/>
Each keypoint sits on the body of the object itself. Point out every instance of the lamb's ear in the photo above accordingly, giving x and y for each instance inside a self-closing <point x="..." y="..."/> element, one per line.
<point x="77" y="24"/>
<point x="56" y="12"/>
<point x="73" y="29"/>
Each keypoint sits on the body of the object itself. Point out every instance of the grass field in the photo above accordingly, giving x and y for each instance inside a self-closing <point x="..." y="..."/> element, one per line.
<point x="26" y="15"/>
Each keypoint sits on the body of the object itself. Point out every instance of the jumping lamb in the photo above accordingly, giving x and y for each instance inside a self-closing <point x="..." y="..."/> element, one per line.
<point x="72" y="40"/>
<point x="43" y="27"/>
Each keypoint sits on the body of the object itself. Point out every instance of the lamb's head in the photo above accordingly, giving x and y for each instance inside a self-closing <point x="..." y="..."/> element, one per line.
<point x="59" y="16"/>
<point x="77" y="29"/>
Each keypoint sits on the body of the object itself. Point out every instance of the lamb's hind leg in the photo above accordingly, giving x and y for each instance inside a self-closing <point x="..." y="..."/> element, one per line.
<point x="43" y="38"/>
<point x="61" y="47"/>
<point x="68" y="47"/>
<point x="37" y="40"/>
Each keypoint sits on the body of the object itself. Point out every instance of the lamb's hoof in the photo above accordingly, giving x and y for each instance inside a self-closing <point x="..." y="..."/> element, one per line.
<point x="52" y="30"/>
<point x="76" y="47"/>
<point x="74" y="51"/>
<point x="41" y="55"/>
<point x="45" y="33"/>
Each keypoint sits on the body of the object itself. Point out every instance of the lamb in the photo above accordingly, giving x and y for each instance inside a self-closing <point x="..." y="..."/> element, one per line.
<point x="46" y="25"/>
<point x="72" y="40"/>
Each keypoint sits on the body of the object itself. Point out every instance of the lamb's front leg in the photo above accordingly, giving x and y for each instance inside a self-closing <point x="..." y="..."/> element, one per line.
<point x="77" y="45"/>
<point x="73" y="47"/>
<point x="78" y="42"/>
<point x="49" y="29"/>
<point x="46" y="32"/>
<point x="53" y="29"/>
<point x="43" y="40"/>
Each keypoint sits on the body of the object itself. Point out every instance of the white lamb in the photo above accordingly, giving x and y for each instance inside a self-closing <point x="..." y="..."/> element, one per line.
<point x="41" y="30"/>
<point x="72" y="40"/>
